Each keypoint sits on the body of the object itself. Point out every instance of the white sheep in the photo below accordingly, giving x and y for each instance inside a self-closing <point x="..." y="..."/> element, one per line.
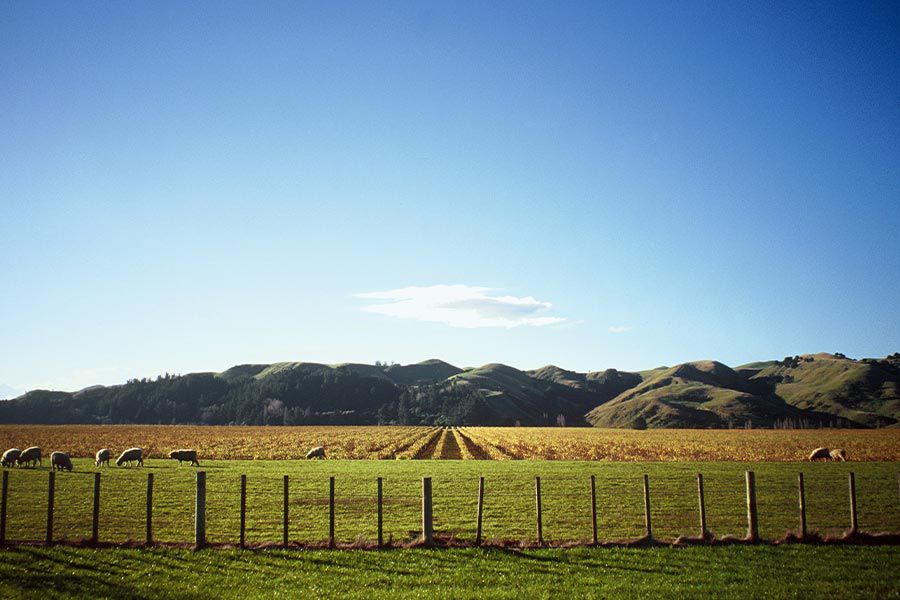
<point x="838" y="454"/>
<point x="30" y="455"/>
<point x="10" y="457"/>
<point x="185" y="455"/>
<point x="820" y="454"/>
<point x="130" y="456"/>
<point x="102" y="457"/>
<point x="60" y="461"/>
<point x="317" y="452"/>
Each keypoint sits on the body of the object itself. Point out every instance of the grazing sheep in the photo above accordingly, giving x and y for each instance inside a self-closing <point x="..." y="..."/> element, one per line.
<point x="30" y="455"/>
<point x="131" y="455"/>
<point x="102" y="457"/>
<point x="820" y="454"/>
<point x="317" y="452"/>
<point x="10" y="457"/>
<point x="838" y="454"/>
<point x="60" y="461"/>
<point x="186" y="456"/>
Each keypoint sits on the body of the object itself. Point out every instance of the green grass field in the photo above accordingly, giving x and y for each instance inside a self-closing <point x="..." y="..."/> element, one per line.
<point x="787" y="571"/>
<point x="509" y="499"/>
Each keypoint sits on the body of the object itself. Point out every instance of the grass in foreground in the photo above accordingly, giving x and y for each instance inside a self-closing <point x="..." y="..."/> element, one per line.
<point x="731" y="571"/>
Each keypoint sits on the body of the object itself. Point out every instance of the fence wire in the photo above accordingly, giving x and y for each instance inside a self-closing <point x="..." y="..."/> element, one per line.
<point x="509" y="510"/>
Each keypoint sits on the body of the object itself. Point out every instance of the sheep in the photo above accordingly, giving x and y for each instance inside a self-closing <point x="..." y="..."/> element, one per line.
<point x="825" y="454"/>
<point x="130" y="456"/>
<point x="317" y="452"/>
<point x="60" y="461"/>
<point x="186" y="456"/>
<point x="819" y="454"/>
<point x="838" y="454"/>
<point x="102" y="457"/>
<point x="30" y="455"/>
<point x="10" y="457"/>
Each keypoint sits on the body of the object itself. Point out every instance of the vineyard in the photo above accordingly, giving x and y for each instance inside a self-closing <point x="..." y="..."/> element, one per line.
<point x="466" y="443"/>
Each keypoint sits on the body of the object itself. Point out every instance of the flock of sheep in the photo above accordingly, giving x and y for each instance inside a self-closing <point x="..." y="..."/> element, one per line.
<point x="62" y="462"/>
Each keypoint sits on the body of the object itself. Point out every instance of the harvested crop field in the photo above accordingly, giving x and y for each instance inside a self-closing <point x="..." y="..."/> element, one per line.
<point x="420" y="442"/>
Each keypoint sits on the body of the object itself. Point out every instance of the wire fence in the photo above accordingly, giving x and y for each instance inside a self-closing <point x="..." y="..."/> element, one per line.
<point x="62" y="508"/>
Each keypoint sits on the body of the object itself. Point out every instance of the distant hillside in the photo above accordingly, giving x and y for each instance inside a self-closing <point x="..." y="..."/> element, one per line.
<point x="866" y="392"/>
<point x="512" y="396"/>
<point x="701" y="394"/>
<point x="429" y="371"/>
<point x="800" y="391"/>
<point x="809" y="390"/>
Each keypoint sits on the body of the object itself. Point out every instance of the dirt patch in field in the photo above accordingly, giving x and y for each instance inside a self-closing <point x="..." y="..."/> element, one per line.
<point x="449" y="447"/>
<point x="427" y="451"/>
<point x="473" y="449"/>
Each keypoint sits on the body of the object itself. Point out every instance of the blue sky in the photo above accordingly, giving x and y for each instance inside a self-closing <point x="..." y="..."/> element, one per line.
<point x="185" y="187"/>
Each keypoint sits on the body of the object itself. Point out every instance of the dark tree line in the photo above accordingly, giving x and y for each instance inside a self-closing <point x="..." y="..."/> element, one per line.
<point x="308" y="396"/>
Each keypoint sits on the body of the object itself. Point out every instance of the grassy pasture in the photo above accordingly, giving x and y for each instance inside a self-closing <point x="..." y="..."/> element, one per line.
<point x="509" y="499"/>
<point x="789" y="571"/>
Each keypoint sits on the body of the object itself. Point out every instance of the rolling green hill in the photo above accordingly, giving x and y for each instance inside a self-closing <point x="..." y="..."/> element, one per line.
<point x="866" y="392"/>
<point x="820" y="389"/>
<point x="799" y="391"/>
<point x="511" y="396"/>
<point x="700" y="394"/>
<point x="427" y="371"/>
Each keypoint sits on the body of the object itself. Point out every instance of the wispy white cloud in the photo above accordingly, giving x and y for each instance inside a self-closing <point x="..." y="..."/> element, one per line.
<point x="620" y="328"/>
<point x="461" y="306"/>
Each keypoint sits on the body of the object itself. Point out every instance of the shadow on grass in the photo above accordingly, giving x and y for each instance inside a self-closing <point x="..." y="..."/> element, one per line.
<point x="75" y="576"/>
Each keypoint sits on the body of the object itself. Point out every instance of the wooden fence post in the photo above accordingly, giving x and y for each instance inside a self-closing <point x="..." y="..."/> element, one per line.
<point x="380" y="516"/>
<point x="802" y="490"/>
<point x="593" y="510"/>
<point x="752" y="524"/>
<point x="480" y="510"/>
<point x="200" y="511"/>
<point x="701" y="497"/>
<point x="50" y="493"/>
<point x="284" y="535"/>
<point x="3" y="496"/>
<point x="331" y="512"/>
<point x="243" y="509"/>
<point x="427" y="516"/>
<point x="540" y="514"/>
<point x="854" y="523"/>
<point x="95" y="521"/>
<point x="149" y="508"/>
<point x="648" y="526"/>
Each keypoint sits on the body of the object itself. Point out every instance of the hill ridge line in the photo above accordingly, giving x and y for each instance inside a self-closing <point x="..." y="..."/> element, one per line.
<point x="810" y="390"/>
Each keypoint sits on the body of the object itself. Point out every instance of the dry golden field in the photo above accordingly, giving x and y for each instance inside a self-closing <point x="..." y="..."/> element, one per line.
<point x="680" y="444"/>
<point x="503" y="443"/>
<point x="226" y="442"/>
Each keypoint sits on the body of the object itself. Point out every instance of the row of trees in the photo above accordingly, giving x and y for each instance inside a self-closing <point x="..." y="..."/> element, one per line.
<point x="309" y="396"/>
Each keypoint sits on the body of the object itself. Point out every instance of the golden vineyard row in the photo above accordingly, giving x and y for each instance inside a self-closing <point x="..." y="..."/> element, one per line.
<point x="498" y="443"/>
